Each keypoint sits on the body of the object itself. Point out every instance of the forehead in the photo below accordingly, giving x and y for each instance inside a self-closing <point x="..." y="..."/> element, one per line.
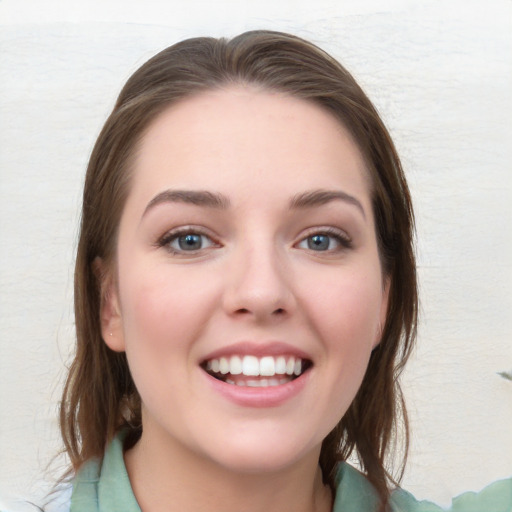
<point x="242" y="136"/>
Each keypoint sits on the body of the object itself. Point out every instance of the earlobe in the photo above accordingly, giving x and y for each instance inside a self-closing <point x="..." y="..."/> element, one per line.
<point x="110" y="312"/>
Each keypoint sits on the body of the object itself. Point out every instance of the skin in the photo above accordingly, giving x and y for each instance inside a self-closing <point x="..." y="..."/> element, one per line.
<point x="256" y="279"/>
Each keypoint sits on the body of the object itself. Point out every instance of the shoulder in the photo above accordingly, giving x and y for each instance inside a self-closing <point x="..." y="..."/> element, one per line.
<point x="354" y="493"/>
<point x="496" y="497"/>
<point x="104" y="484"/>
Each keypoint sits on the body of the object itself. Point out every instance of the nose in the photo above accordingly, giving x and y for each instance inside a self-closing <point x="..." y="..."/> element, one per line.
<point x="259" y="286"/>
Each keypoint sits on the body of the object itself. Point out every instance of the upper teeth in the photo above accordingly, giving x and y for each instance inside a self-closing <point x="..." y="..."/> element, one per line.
<point x="254" y="366"/>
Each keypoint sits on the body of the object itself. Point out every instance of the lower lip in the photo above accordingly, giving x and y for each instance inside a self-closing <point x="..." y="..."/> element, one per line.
<point x="258" y="397"/>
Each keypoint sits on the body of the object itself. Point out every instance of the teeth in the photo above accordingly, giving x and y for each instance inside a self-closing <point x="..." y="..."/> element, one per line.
<point x="235" y="366"/>
<point x="263" y="383"/>
<point x="280" y="365"/>
<point x="290" y="365"/>
<point x="259" y="383"/>
<point x="267" y="366"/>
<point x="252" y="366"/>
<point x="223" y="366"/>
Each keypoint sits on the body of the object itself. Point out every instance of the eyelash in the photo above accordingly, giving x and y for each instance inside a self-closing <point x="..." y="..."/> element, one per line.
<point x="166" y="240"/>
<point x="342" y="240"/>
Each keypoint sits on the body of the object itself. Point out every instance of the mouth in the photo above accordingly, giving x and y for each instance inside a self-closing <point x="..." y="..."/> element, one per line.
<point x="253" y="371"/>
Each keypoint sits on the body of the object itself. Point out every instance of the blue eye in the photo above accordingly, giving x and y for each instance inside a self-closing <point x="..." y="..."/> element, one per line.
<point x="185" y="241"/>
<point x="318" y="242"/>
<point x="326" y="241"/>
<point x="190" y="242"/>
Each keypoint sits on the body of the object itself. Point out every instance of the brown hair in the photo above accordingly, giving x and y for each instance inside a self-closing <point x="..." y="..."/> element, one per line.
<point x="100" y="397"/>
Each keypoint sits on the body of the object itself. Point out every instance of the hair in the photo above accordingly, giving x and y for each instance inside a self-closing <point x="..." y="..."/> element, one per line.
<point x="100" y="397"/>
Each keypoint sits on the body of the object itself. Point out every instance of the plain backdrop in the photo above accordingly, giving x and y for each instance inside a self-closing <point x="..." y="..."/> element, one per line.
<point x="439" y="71"/>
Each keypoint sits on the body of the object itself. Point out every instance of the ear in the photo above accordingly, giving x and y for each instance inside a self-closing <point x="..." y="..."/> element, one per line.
<point x="110" y="312"/>
<point x="383" y="312"/>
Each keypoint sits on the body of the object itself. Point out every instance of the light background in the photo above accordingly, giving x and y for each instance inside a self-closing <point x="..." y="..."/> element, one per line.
<point x="440" y="73"/>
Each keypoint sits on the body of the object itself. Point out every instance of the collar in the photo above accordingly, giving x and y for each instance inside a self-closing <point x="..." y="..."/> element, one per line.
<point x="104" y="486"/>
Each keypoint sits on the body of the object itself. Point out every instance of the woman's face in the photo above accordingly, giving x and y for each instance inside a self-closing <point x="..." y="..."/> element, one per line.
<point x="249" y="291"/>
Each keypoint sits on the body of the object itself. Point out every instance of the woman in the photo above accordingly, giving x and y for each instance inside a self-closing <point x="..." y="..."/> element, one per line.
<point x="245" y="289"/>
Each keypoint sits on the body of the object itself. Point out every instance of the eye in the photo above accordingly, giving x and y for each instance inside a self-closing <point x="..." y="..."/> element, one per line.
<point x="323" y="241"/>
<point x="183" y="241"/>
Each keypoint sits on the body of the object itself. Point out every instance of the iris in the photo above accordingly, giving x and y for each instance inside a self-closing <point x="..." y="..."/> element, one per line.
<point x="190" y="242"/>
<point x="318" y="242"/>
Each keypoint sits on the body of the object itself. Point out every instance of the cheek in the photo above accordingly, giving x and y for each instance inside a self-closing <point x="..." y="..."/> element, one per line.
<point x="345" y="314"/>
<point x="163" y="308"/>
<point x="160" y="323"/>
<point x="348" y="309"/>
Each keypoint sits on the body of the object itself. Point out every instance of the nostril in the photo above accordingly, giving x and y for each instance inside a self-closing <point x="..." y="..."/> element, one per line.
<point x="279" y="311"/>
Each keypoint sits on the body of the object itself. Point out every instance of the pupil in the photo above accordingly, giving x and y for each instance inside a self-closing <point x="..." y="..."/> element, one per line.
<point x="318" y="242"/>
<point x="189" y="242"/>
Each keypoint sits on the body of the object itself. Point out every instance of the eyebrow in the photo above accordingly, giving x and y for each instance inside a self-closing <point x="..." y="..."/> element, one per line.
<point x="216" y="200"/>
<point x="195" y="197"/>
<point x="321" y="197"/>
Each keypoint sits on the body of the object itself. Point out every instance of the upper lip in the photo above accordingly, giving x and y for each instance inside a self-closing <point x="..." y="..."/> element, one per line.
<point x="258" y="349"/>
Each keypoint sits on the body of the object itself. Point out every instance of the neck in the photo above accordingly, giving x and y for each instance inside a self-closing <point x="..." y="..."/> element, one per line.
<point x="167" y="474"/>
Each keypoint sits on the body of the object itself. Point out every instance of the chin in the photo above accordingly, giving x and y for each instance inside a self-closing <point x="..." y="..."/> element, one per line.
<point x="262" y="456"/>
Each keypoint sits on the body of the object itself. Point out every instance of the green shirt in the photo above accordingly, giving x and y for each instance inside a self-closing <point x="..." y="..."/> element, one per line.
<point x="105" y="487"/>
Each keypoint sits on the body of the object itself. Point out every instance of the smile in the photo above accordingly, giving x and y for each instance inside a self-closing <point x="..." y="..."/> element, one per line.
<point x="253" y="371"/>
